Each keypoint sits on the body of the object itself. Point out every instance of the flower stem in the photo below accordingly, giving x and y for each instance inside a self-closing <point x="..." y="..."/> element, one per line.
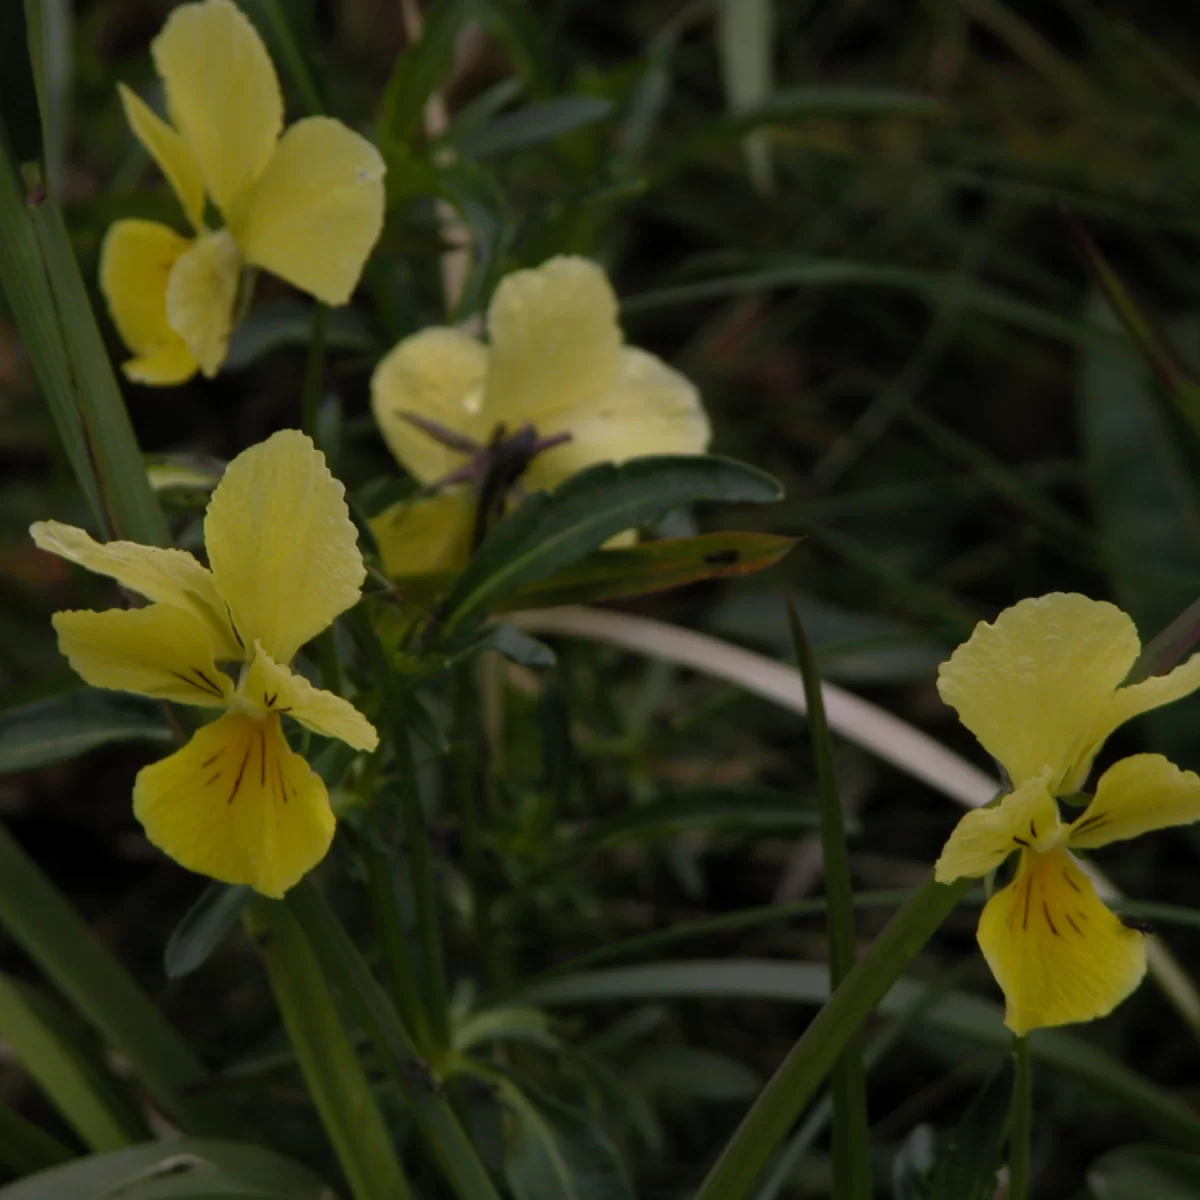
<point x="1020" y="1122"/>
<point x="314" y="372"/>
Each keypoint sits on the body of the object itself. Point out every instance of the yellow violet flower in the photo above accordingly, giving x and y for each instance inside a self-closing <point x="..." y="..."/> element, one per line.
<point x="306" y="206"/>
<point x="556" y="361"/>
<point x="1041" y="690"/>
<point x="236" y="803"/>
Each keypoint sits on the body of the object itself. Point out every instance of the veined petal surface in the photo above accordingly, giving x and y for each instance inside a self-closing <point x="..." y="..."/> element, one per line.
<point x="172" y="154"/>
<point x="157" y="651"/>
<point x="201" y="292"/>
<point x="136" y="261"/>
<point x="268" y="687"/>
<point x="437" y="374"/>
<point x="426" y="534"/>
<point x="1134" y="796"/>
<point x="222" y="94"/>
<point x="1036" y="684"/>
<point x="282" y="547"/>
<point x="651" y="409"/>
<point x="316" y="211"/>
<point x="985" y="837"/>
<point x="1058" y="954"/>
<point x="237" y="804"/>
<point x="554" y="341"/>
<point x="172" y="577"/>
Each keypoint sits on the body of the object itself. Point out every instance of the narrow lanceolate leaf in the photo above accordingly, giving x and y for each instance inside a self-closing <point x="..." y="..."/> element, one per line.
<point x="37" y="917"/>
<point x="71" y="1079"/>
<point x="535" y="124"/>
<point x="966" y="1169"/>
<point x="179" y="1167"/>
<point x="26" y="1147"/>
<point x="1155" y="350"/>
<point x="62" y="727"/>
<point x="46" y="294"/>
<point x="419" y="72"/>
<point x="1142" y="1172"/>
<point x="851" y="1128"/>
<point x="20" y="114"/>
<point x="656" y="566"/>
<point x="333" y="1071"/>
<point x="553" y="530"/>
<point x="204" y="927"/>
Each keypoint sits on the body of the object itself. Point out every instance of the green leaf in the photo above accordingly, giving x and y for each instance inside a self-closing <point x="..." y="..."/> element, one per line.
<point x="26" y="1147"/>
<point x="419" y="71"/>
<point x="62" y="727"/>
<point x="851" y="1129"/>
<point x="75" y="1082"/>
<point x="41" y="921"/>
<point x="20" y="113"/>
<point x="333" y="1071"/>
<point x="516" y="646"/>
<point x="954" y="1013"/>
<point x="654" y="566"/>
<point x="1145" y="1172"/>
<point x="941" y="288"/>
<point x="278" y="323"/>
<point x="204" y="927"/>
<point x="691" y="1073"/>
<point x="1147" y="506"/>
<point x="552" y="530"/>
<point x="966" y="1168"/>
<point x="185" y="1167"/>
<point x="555" y="1152"/>
<point x="534" y="124"/>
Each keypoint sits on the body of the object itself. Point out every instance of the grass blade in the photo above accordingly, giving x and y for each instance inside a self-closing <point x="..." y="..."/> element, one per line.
<point x="851" y="1128"/>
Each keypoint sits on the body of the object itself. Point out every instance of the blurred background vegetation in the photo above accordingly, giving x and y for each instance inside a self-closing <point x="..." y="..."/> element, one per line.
<point x="853" y="224"/>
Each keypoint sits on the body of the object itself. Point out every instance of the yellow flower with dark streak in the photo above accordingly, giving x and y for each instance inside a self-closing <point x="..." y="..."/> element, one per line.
<point x="236" y="803"/>
<point x="1041" y="688"/>
<point x="306" y="206"/>
<point x="556" y="363"/>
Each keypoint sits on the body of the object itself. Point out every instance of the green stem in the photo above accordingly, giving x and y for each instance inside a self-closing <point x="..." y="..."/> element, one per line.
<point x="812" y="1057"/>
<point x="1020" y="1122"/>
<point x="416" y="836"/>
<point x="851" y="1126"/>
<point x="314" y="372"/>
<point x="345" y="968"/>
<point x="332" y="1069"/>
<point x="391" y="930"/>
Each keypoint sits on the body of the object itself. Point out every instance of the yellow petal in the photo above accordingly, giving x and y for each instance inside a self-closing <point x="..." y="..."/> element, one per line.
<point x="652" y="409"/>
<point x="169" y="151"/>
<point x="201" y="293"/>
<point x="237" y="804"/>
<point x="1152" y="693"/>
<point x="316" y="212"/>
<point x="281" y="544"/>
<point x="428" y="534"/>
<point x="1057" y="953"/>
<point x="1035" y="685"/>
<point x="1134" y="796"/>
<point x="171" y="577"/>
<point x="136" y="261"/>
<point x="222" y="95"/>
<point x="268" y="687"/>
<point x="437" y="374"/>
<point x="555" y="341"/>
<point x="158" y="651"/>
<point x="985" y="837"/>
